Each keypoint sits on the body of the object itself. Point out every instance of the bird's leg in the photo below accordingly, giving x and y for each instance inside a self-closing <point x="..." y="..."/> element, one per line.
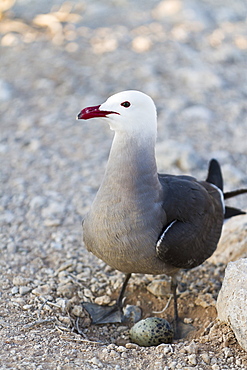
<point x="122" y="291"/>
<point x="107" y="314"/>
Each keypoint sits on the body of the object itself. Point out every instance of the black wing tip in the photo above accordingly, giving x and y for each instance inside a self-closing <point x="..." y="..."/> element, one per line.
<point x="214" y="174"/>
<point x="231" y="212"/>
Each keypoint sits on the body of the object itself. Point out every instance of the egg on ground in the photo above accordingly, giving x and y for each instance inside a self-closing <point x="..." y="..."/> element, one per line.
<point x="151" y="332"/>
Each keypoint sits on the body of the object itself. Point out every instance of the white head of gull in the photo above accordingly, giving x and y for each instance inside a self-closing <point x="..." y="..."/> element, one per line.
<point x="131" y="112"/>
<point x="142" y="221"/>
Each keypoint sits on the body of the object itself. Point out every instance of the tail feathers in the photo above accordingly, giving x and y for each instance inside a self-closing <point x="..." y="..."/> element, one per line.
<point x="231" y="212"/>
<point x="234" y="193"/>
<point x="215" y="177"/>
<point x="214" y="174"/>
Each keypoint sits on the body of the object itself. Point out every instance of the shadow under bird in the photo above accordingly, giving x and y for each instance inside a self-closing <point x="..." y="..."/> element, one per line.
<point x="142" y="221"/>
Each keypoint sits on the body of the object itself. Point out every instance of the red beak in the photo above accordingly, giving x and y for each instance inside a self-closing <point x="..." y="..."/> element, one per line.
<point x="92" y="112"/>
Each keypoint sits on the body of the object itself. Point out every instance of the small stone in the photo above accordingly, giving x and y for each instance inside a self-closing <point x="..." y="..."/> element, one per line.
<point x="87" y="293"/>
<point x="37" y="202"/>
<point x="227" y="352"/>
<point x="24" y="290"/>
<point x="192" y="359"/>
<point x="66" y="290"/>
<point x="12" y="248"/>
<point x="52" y="222"/>
<point x="159" y="288"/>
<point x="103" y="300"/>
<point x="205" y="300"/>
<point x="78" y="311"/>
<point x="132" y="346"/>
<point x="205" y="357"/>
<point x="14" y="290"/>
<point x="132" y="313"/>
<point x="42" y="290"/>
<point x="64" y="304"/>
<point x="121" y="349"/>
<point x="238" y="362"/>
<point x="167" y="349"/>
<point x="96" y="361"/>
<point x="27" y="307"/>
<point x="65" y="320"/>
<point x="215" y="367"/>
<point x="192" y="348"/>
<point x="53" y="209"/>
<point x="188" y="320"/>
<point x="20" y="280"/>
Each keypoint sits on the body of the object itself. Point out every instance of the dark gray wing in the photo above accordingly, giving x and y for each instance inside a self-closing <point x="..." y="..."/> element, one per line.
<point x="195" y="217"/>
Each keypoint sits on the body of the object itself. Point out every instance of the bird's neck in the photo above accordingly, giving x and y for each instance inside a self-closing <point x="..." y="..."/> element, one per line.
<point x="131" y="164"/>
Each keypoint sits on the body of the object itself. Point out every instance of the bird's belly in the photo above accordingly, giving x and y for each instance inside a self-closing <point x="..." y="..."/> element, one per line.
<point x="126" y="242"/>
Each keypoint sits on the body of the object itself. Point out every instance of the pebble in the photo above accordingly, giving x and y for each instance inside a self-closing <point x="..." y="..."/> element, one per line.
<point x="78" y="311"/>
<point x="64" y="304"/>
<point x="227" y="352"/>
<point x="192" y="348"/>
<point x="42" y="290"/>
<point x="96" y="361"/>
<point x="192" y="359"/>
<point x="24" y="290"/>
<point x="103" y="300"/>
<point x="159" y="287"/>
<point x="132" y="314"/>
<point x="206" y="358"/>
<point x="132" y="346"/>
<point x="205" y="300"/>
<point x="188" y="320"/>
<point x="66" y="290"/>
<point x="14" y="290"/>
<point x="20" y="280"/>
<point x="215" y="367"/>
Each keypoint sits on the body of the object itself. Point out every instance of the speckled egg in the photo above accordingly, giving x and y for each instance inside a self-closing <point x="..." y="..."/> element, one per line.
<point x="151" y="332"/>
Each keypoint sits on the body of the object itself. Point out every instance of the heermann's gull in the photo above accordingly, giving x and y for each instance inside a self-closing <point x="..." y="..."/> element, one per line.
<point x="144" y="222"/>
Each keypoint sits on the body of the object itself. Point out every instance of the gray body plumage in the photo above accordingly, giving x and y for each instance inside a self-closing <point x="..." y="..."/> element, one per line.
<point x="134" y="205"/>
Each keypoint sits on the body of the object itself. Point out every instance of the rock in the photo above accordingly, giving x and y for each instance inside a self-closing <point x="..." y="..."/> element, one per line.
<point x="205" y="300"/>
<point x="103" y="300"/>
<point x="132" y="313"/>
<point x="232" y="244"/>
<point x="192" y="348"/>
<point x="132" y="346"/>
<point x="232" y="298"/>
<point x="14" y="290"/>
<point x="24" y="290"/>
<point x="42" y="290"/>
<point x="66" y="290"/>
<point x="192" y="359"/>
<point x="159" y="287"/>
<point x="20" y="280"/>
<point x="205" y="357"/>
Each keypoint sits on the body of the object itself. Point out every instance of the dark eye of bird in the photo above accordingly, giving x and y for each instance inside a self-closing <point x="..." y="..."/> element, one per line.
<point x="126" y="104"/>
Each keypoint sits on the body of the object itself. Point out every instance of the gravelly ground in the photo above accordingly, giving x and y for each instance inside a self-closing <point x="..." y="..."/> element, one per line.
<point x="190" y="57"/>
